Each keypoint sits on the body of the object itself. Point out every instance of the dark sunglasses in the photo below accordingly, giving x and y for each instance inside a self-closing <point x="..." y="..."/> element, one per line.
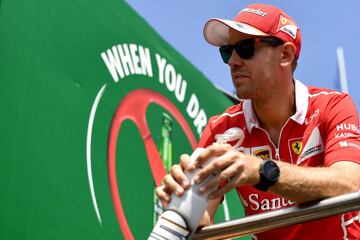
<point x="245" y="48"/>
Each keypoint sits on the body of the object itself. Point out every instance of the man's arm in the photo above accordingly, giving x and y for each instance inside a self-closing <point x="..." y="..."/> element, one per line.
<point x="301" y="184"/>
<point x="312" y="183"/>
<point x="210" y="213"/>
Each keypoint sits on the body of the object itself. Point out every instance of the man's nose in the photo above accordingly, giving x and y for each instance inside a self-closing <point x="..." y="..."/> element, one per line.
<point x="235" y="59"/>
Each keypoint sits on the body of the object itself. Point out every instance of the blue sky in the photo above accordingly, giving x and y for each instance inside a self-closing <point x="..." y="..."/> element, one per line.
<point x="325" y="25"/>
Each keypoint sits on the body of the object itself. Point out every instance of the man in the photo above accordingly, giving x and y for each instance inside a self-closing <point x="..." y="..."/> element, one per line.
<point x="301" y="143"/>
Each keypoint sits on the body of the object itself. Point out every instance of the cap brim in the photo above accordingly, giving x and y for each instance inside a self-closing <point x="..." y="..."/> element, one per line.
<point x="216" y="31"/>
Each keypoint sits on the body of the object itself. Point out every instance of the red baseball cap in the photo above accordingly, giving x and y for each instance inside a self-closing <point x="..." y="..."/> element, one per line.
<point x="256" y="20"/>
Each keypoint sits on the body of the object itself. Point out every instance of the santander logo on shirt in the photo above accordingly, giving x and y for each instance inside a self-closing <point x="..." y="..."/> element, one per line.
<point x="266" y="204"/>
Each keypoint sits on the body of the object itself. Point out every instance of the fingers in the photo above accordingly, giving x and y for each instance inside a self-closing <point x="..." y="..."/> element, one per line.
<point x="169" y="186"/>
<point x="211" y="151"/>
<point x="226" y="176"/>
<point x="163" y="195"/>
<point x="180" y="183"/>
<point x="176" y="181"/>
<point x="231" y="157"/>
<point x="185" y="162"/>
<point x="230" y="166"/>
<point x="233" y="168"/>
<point x="223" y="190"/>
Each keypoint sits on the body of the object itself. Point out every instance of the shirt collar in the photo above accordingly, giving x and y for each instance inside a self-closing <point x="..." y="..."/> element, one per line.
<point x="301" y="102"/>
<point x="250" y="118"/>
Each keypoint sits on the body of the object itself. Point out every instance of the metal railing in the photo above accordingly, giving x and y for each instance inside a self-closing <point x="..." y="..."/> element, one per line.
<point x="281" y="218"/>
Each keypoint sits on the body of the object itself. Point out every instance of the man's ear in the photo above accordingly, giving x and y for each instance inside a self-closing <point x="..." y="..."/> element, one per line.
<point x="287" y="54"/>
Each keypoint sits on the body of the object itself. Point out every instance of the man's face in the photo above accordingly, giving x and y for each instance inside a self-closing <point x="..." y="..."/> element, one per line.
<point x="254" y="78"/>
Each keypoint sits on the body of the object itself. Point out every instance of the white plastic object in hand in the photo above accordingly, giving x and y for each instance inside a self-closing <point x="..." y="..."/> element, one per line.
<point x="230" y="135"/>
<point x="187" y="210"/>
<point x="192" y="204"/>
<point x="170" y="225"/>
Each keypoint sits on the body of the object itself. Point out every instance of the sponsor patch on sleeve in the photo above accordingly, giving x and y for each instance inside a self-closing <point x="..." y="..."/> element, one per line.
<point x="313" y="146"/>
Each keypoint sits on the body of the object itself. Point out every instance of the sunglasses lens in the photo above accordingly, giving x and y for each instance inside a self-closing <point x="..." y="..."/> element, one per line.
<point x="225" y="52"/>
<point x="245" y="49"/>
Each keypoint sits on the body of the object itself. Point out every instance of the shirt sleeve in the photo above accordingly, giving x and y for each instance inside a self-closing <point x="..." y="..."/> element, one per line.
<point x="341" y="128"/>
<point x="207" y="137"/>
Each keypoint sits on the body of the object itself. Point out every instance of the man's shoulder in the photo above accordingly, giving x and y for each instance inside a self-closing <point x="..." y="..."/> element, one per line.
<point x="230" y="116"/>
<point x="323" y="93"/>
<point x="324" y="97"/>
<point x="328" y="103"/>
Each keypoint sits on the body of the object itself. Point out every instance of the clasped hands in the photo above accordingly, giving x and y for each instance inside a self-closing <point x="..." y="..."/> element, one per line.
<point x="232" y="168"/>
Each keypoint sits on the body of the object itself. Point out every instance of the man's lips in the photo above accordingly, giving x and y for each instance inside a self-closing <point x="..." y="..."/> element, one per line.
<point x="239" y="76"/>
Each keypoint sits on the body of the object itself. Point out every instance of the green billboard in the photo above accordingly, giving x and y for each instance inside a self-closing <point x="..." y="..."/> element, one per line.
<point x="91" y="97"/>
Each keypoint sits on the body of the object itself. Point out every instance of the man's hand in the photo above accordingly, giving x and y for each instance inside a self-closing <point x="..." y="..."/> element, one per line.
<point x="232" y="167"/>
<point x="176" y="181"/>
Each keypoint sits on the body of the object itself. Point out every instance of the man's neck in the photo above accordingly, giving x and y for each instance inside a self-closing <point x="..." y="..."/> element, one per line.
<point x="274" y="112"/>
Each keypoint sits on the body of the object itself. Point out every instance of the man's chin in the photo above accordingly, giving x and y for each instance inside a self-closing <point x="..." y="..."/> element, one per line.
<point x="242" y="95"/>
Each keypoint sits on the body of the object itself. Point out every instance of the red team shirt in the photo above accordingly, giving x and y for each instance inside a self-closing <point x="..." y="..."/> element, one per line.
<point x="324" y="130"/>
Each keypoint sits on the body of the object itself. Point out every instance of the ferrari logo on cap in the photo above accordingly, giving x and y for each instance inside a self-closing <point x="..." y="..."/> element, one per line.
<point x="296" y="147"/>
<point x="287" y="26"/>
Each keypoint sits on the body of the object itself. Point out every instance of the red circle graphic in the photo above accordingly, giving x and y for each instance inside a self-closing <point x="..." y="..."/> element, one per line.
<point x="133" y="107"/>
